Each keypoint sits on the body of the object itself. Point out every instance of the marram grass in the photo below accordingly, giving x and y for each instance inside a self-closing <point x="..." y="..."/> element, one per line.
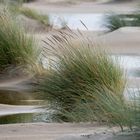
<point x="115" y="21"/>
<point x="85" y="84"/>
<point x="16" y="47"/>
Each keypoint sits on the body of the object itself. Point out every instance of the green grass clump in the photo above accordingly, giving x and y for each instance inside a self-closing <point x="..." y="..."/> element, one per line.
<point x="86" y="84"/>
<point x="16" y="47"/>
<point x="115" y="21"/>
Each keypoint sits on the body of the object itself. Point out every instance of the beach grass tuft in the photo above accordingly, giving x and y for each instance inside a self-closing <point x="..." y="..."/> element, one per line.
<point x="115" y="21"/>
<point x="86" y="84"/>
<point x="16" y="47"/>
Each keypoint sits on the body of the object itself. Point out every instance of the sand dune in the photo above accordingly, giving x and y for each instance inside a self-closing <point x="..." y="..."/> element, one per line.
<point x="125" y="40"/>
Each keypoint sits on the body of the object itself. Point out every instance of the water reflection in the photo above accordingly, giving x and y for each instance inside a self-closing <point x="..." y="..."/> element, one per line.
<point x="130" y="63"/>
<point x="18" y="118"/>
<point x="20" y="98"/>
<point x="132" y="94"/>
<point x="92" y="21"/>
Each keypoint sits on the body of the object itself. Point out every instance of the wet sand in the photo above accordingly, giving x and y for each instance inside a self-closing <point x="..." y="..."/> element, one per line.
<point x="64" y="131"/>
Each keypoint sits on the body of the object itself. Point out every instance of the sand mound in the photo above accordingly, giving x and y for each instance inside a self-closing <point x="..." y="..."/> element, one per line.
<point x="123" y="41"/>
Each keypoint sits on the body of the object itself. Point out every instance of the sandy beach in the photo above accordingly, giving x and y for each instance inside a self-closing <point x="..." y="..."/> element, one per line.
<point x="64" y="131"/>
<point x="125" y="41"/>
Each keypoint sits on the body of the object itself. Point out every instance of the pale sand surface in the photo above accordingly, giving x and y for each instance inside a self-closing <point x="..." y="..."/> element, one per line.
<point x="125" y="40"/>
<point x="63" y="131"/>
<point x="82" y="7"/>
<point x="53" y="131"/>
<point x="134" y="82"/>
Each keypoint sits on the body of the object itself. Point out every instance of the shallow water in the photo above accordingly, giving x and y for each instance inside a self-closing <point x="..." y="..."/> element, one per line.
<point x="19" y="118"/>
<point x="94" y="22"/>
<point x="19" y="98"/>
<point x="130" y="63"/>
<point x="132" y="94"/>
<point x="17" y="113"/>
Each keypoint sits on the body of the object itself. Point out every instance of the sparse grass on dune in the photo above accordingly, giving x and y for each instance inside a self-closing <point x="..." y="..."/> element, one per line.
<point x="16" y="47"/>
<point x="85" y="84"/>
<point x="109" y="108"/>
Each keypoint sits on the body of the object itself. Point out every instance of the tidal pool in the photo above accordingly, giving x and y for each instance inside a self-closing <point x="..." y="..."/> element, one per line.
<point x="93" y="22"/>
<point x="132" y="94"/>
<point x="131" y="63"/>
<point x="19" y="118"/>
